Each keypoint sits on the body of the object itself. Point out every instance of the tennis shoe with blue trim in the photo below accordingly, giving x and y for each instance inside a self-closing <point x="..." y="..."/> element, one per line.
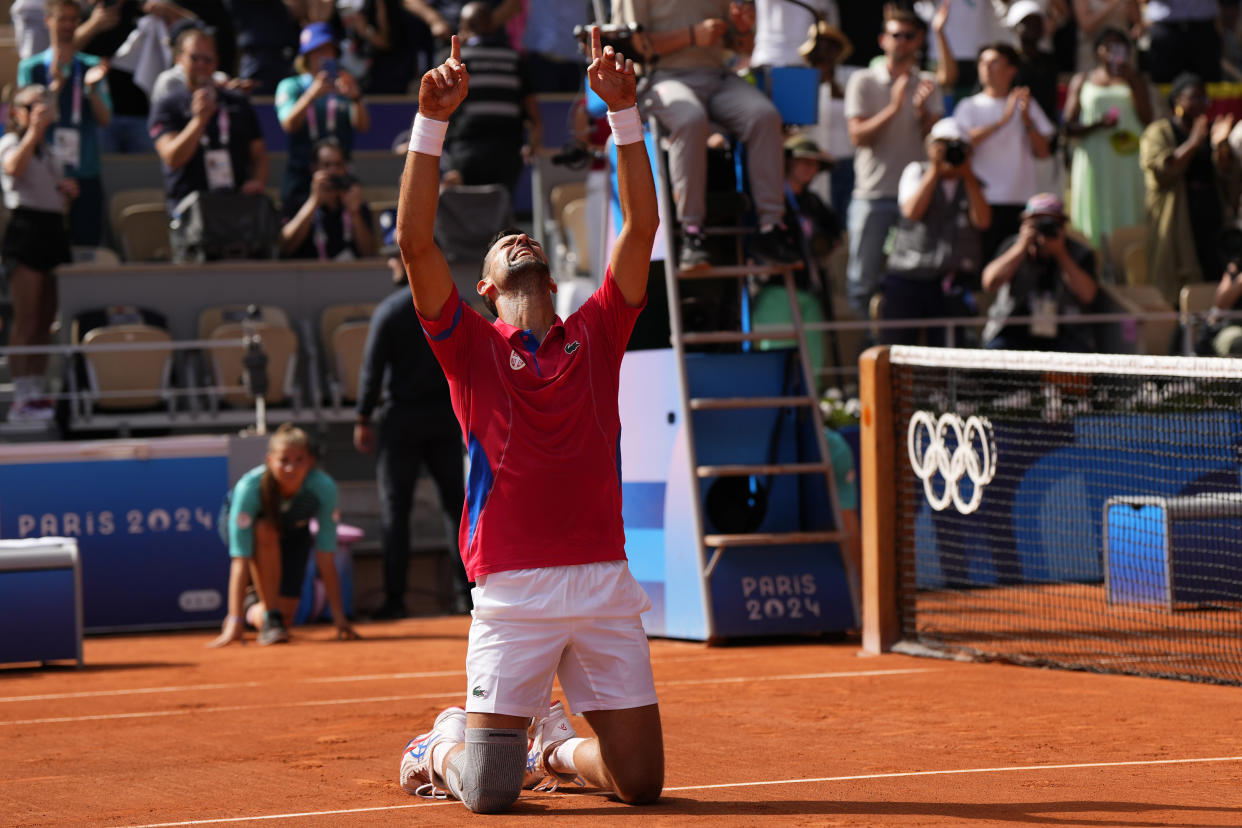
<point x="417" y="776"/>
<point x="546" y="734"/>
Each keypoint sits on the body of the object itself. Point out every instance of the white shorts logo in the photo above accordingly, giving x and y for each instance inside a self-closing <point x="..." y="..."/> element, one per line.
<point x="973" y="456"/>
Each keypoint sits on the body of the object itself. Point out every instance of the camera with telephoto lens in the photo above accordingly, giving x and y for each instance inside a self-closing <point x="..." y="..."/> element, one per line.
<point x="342" y="182"/>
<point x="620" y="36"/>
<point x="1048" y="227"/>
<point x="955" y="153"/>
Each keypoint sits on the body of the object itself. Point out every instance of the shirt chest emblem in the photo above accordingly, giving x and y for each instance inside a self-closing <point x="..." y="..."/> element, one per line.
<point x="572" y="346"/>
<point x="515" y="361"/>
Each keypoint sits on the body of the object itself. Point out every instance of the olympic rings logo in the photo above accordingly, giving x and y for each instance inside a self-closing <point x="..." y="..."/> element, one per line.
<point x="973" y="456"/>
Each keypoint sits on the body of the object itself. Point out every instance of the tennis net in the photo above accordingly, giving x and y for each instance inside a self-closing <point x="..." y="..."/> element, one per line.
<point x="1078" y="511"/>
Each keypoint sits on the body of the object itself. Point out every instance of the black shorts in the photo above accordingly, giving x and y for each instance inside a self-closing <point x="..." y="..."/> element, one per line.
<point x="295" y="549"/>
<point x="37" y="239"/>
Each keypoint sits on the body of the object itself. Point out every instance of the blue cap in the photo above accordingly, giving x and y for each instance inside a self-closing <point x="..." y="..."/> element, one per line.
<point x="313" y="36"/>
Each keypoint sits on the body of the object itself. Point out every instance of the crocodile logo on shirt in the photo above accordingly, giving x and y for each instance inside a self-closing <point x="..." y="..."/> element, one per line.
<point x="478" y="692"/>
<point x="515" y="361"/>
<point x="573" y="346"/>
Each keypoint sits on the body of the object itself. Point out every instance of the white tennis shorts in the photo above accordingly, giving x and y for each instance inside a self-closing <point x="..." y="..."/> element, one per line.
<point x="580" y="623"/>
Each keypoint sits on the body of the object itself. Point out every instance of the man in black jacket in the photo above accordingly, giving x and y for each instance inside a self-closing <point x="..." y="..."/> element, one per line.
<point x="417" y="427"/>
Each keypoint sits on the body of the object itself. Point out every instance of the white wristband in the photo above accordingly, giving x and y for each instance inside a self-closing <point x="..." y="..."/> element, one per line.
<point x="427" y="135"/>
<point x="627" y="127"/>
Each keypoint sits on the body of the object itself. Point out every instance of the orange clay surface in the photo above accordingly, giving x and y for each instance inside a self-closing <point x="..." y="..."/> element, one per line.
<point x="156" y="729"/>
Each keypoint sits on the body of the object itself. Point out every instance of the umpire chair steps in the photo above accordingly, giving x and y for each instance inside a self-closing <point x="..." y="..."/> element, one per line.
<point x="712" y="546"/>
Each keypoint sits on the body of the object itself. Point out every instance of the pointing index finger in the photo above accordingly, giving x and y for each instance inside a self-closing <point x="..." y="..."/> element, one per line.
<point x="455" y="51"/>
<point x="596" y="49"/>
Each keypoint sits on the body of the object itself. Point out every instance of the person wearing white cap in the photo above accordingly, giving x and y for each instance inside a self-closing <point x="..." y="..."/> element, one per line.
<point x="936" y="255"/>
<point x="1009" y="131"/>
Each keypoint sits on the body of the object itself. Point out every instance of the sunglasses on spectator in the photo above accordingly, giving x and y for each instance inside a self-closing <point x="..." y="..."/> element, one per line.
<point x="903" y="34"/>
<point x="203" y="58"/>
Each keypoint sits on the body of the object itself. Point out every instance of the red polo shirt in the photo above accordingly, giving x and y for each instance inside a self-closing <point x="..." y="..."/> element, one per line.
<point x="542" y="431"/>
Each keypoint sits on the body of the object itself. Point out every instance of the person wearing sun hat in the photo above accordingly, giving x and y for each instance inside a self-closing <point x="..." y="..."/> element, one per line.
<point x="1044" y="274"/>
<point x="806" y="215"/>
<point x="826" y="48"/>
<point x="936" y="256"/>
<point x="322" y="101"/>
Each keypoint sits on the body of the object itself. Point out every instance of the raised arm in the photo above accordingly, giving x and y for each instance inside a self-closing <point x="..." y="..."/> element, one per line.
<point x="440" y="92"/>
<point x="611" y="76"/>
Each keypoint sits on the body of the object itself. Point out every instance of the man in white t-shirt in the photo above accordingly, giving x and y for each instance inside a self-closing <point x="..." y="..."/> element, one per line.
<point x="1008" y="131"/>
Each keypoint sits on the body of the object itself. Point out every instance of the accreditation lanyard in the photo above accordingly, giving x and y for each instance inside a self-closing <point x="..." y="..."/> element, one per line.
<point x="76" y="112"/>
<point x="312" y="119"/>
<point x="321" y="235"/>
<point x="222" y="125"/>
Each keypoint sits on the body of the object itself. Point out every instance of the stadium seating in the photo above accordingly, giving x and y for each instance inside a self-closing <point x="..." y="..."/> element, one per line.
<point x="280" y="344"/>
<point x="1117" y="244"/>
<point x="143" y="233"/>
<point x="1135" y="261"/>
<point x="577" y="260"/>
<point x="348" y="344"/>
<point x="143" y="377"/>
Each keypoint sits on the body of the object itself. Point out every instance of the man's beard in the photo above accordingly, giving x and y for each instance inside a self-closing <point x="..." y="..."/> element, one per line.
<point x="527" y="277"/>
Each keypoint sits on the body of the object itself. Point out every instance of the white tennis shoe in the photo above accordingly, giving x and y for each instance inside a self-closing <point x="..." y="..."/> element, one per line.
<point x="417" y="776"/>
<point x="546" y="734"/>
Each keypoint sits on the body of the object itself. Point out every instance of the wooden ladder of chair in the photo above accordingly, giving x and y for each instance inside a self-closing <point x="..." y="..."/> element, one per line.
<point x="712" y="546"/>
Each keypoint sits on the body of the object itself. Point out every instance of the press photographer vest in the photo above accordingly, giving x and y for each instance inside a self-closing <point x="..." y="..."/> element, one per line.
<point x="943" y="242"/>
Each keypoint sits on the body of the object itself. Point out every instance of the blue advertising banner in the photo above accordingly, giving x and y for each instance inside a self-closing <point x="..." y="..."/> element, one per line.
<point x="151" y="554"/>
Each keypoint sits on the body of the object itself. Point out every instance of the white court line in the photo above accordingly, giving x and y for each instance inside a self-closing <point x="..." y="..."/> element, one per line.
<point x="192" y="687"/>
<point x="453" y="695"/>
<point x="856" y="778"/>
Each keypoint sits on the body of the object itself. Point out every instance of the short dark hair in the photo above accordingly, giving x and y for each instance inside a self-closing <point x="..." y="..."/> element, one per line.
<point x="907" y="16"/>
<point x="1004" y="50"/>
<point x="500" y="234"/>
<point x="327" y="142"/>
<point x="1109" y="33"/>
<point x="189" y="29"/>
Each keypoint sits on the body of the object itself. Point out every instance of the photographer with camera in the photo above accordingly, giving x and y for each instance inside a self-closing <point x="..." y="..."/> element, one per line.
<point x="333" y="223"/>
<point x="322" y="101"/>
<point x="1043" y="274"/>
<point x="936" y="251"/>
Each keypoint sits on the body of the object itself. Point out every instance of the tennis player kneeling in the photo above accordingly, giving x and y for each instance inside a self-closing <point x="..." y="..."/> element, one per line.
<point x="541" y="530"/>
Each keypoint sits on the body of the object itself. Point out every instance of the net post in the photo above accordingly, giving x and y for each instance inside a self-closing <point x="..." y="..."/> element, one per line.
<point x="879" y="503"/>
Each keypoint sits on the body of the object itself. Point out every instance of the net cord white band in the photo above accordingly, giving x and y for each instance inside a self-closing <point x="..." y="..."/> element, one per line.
<point x="1122" y="364"/>
<point x="627" y="127"/>
<point x="427" y="135"/>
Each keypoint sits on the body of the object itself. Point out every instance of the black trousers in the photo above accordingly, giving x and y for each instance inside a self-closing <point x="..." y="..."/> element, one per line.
<point x="408" y="441"/>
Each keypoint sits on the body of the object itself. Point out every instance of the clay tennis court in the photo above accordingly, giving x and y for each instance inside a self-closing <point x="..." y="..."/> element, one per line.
<point x="157" y="730"/>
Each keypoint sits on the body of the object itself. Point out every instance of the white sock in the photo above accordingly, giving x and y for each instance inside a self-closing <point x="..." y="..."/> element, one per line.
<point x="439" y="752"/>
<point x="562" y="758"/>
<point x="767" y="228"/>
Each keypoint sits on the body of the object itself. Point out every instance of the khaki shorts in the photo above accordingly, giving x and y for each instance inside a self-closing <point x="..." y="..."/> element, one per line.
<point x="580" y="623"/>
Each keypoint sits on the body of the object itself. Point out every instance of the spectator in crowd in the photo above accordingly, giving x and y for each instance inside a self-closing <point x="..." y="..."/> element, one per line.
<point x="936" y="253"/>
<point x="267" y="40"/>
<point x="889" y="107"/>
<point x="29" y="27"/>
<point x="1107" y="108"/>
<point x="781" y="26"/>
<point x="1009" y="131"/>
<point x="1037" y="69"/>
<point x="35" y="242"/>
<point x="323" y="100"/>
<point x="416" y="427"/>
<point x="826" y="48"/>
<point x="1183" y="38"/>
<point x="376" y="33"/>
<point x="213" y="15"/>
<point x="1094" y="16"/>
<point x="689" y="89"/>
<point x="107" y="26"/>
<point x="485" y="142"/>
<point x="207" y="137"/>
<point x="77" y="83"/>
<point x="556" y="62"/>
<point x="967" y="29"/>
<point x="1230" y="40"/>
<point x="443" y="17"/>
<point x="1043" y="274"/>
<point x="269" y="538"/>
<point x="1220" y="335"/>
<point x="333" y="223"/>
<point x="1192" y="187"/>
<point x="814" y="227"/>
